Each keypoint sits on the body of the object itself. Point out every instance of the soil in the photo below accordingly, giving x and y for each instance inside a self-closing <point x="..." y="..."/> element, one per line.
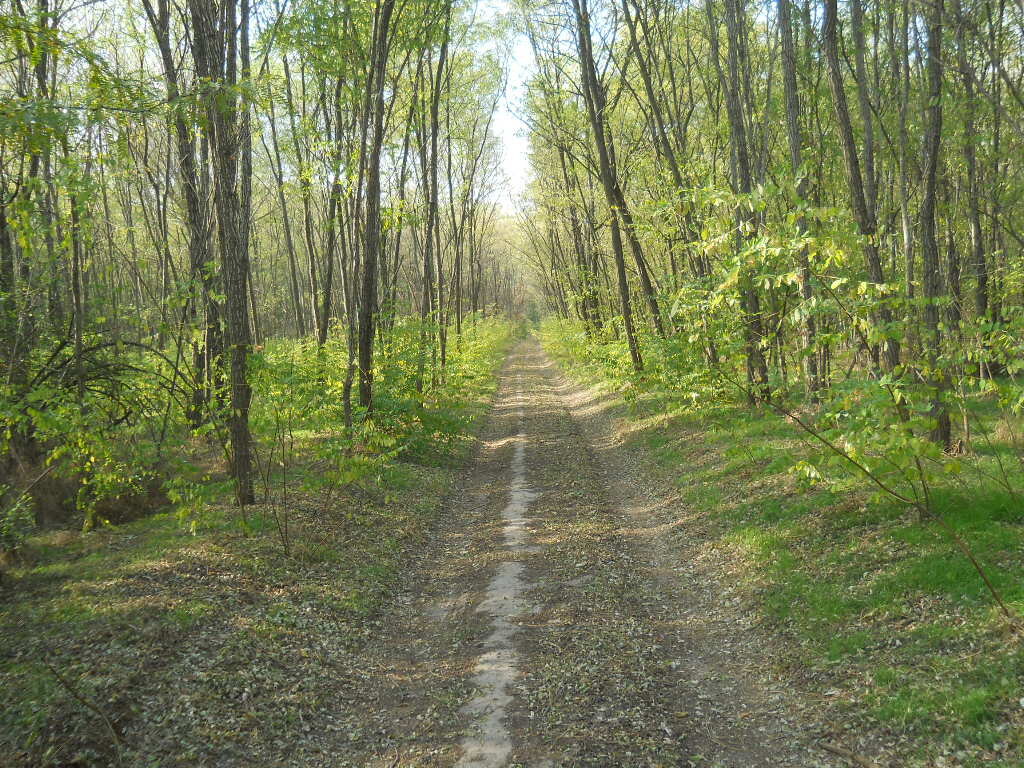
<point x="565" y="614"/>
<point x="563" y="608"/>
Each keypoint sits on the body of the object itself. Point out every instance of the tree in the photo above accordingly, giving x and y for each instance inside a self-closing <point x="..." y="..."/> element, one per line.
<point x="220" y="44"/>
<point x="371" y="253"/>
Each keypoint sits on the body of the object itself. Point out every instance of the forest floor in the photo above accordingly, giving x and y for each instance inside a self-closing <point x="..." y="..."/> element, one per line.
<point x="613" y="648"/>
<point x="550" y="623"/>
<point x="556" y="601"/>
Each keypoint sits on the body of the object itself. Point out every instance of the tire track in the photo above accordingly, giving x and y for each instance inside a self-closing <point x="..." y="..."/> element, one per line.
<point x="489" y="742"/>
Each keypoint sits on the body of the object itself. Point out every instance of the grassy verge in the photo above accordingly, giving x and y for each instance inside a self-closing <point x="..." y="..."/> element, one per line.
<point x="880" y="613"/>
<point x="220" y="638"/>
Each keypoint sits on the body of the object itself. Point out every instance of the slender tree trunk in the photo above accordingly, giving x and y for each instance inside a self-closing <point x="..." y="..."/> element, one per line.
<point x="215" y="48"/>
<point x="594" y="97"/>
<point x="306" y="193"/>
<point x="901" y="86"/>
<point x="205" y="353"/>
<point x="795" y="137"/>
<point x="931" y="277"/>
<point x="978" y="260"/>
<point x="653" y="105"/>
<point x="864" y="106"/>
<point x="863" y="215"/>
<point x="750" y="302"/>
<point x="429" y="174"/>
<point x="289" y="241"/>
<point x="375" y="102"/>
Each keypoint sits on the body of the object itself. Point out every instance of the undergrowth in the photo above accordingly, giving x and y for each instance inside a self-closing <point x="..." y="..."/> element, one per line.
<point x="178" y="637"/>
<point x="881" y="612"/>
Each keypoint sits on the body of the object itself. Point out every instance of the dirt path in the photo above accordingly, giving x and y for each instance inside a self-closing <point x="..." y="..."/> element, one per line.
<point x="553" y="621"/>
<point x="489" y="741"/>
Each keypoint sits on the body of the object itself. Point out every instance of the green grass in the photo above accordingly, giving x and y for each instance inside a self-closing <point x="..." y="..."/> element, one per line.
<point x="124" y="613"/>
<point x="882" y="604"/>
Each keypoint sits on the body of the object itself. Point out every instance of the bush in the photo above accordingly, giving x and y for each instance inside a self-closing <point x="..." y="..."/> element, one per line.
<point x="17" y="520"/>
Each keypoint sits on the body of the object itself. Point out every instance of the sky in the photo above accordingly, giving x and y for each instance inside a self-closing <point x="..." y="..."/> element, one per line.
<point x="508" y="126"/>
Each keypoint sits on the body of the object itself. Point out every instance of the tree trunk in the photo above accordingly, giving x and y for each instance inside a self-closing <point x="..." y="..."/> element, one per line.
<point x="931" y="278"/>
<point x="594" y="96"/>
<point x="215" y="49"/>
<point x="750" y="302"/>
<point x="371" y="251"/>
<point x="863" y="215"/>
<point x="796" y="161"/>
<point x="289" y="241"/>
<point x="978" y="261"/>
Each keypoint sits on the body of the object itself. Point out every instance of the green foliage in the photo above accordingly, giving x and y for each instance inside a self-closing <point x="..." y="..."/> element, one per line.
<point x="191" y="499"/>
<point x="865" y="591"/>
<point x="105" y="441"/>
<point x="300" y="402"/>
<point x="79" y="593"/>
<point x="125" y="449"/>
<point x="16" y="520"/>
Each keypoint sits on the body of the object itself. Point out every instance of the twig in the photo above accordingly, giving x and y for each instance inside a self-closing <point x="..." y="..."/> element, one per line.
<point x="924" y="507"/>
<point x="853" y="757"/>
<point x="118" y="743"/>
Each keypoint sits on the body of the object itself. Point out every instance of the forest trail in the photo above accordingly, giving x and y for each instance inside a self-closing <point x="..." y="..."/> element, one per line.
<point x="260" y="262"/>
<point x="547" y="625"/>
